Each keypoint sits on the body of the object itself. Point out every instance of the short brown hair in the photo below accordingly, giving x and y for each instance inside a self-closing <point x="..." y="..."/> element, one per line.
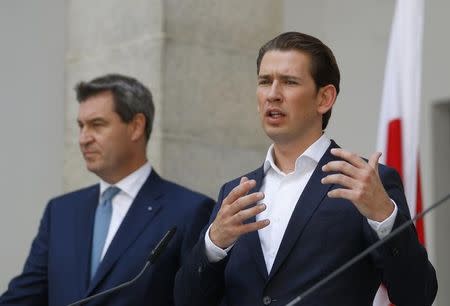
<point x="324" y="69"/>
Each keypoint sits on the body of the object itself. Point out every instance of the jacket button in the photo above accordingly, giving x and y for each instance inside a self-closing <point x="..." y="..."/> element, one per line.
<point x="267" y="300"/>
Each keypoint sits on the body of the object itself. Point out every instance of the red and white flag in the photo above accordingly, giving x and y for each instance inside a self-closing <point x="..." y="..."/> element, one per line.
<point x="398" y="129"/>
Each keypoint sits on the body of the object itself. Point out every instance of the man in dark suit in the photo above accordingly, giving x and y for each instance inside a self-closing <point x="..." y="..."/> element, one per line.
<point x="311" y="207"/>
<point x="89" y="241"/>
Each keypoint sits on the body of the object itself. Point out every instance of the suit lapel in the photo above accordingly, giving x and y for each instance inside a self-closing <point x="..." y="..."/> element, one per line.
<point x="252" y="239"/>
<point x="309" y="201"/>
<point x="135" y="221"/>
<point x="84" y="227"/>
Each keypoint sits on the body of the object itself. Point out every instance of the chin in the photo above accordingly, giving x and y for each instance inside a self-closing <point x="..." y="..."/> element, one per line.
<point x="279" y="138"/>
<point x="92" y="167"/>
<point x="275" y="134"/>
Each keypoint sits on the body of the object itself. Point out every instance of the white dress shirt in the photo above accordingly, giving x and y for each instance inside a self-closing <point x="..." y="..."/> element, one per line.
<point x="282" y="191"/>
<point x="121" y="203"/>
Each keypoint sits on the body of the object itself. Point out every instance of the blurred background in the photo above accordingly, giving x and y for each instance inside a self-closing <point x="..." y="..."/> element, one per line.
<point x="199" y="60"/>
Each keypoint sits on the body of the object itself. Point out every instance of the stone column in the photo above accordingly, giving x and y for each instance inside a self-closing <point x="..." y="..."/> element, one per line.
<point x="211" y="131"/>
<point x="199" y="60"/>
<point x="111" y="36"/>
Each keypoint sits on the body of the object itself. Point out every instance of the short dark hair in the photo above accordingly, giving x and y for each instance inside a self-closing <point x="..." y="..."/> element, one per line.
<point x="324" y="69"/>
<point x="130" y="97"/>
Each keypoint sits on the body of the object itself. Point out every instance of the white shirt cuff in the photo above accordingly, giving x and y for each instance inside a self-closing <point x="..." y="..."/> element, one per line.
<point x="213" y="252"/>
<point x="384" y="227"/>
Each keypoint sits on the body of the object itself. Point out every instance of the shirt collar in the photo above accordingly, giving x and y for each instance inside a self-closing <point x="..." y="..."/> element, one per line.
<point x="132" y="183"/>
<point x="314" y="152"/>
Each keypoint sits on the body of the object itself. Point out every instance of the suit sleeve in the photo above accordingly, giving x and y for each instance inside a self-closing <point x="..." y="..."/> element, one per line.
<point x="194" y="226"/>
<point x="30" y="287"/>
<point x="199" y="282"/>
<point x="406" y="272"/>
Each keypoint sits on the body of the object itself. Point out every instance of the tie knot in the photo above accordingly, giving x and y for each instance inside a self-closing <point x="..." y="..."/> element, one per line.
<point x="109" y="194"/>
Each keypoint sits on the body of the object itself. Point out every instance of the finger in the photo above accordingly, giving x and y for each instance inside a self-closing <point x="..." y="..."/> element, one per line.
<point x="342" y="193"/>
<point x="352" y="158"/>
<point x="245" y="201"/>
<point x="248" y="213"/>
<point x="239" y="191"/>
<point x="341" y="166"/>
<point x="340" y="179"/>
<point x="253" y="226"/>
<point x="243" y="179"/>
<point x="373" y="161"/>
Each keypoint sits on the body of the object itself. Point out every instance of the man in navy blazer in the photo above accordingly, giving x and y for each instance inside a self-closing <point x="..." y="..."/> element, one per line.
<point x="277" y="231"/>
<point x="115" y="119"/>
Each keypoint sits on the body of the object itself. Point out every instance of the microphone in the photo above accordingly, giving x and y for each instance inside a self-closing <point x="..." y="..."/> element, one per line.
<point x="363" y="254"/>
<point x="154" y="255"/>
<point x="161" y="246"/>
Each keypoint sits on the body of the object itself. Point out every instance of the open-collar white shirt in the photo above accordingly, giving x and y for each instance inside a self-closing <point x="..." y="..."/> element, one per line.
<point x="281" y="193"/>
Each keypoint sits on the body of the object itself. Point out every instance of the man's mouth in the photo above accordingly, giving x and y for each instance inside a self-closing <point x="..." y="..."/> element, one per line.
<point x="89" y="153"/>
<point x="275" y="113"/>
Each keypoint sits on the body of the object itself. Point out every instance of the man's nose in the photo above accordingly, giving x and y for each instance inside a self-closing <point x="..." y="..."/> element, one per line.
<point x="85" y="136"/>
<point x="274" y="94"/>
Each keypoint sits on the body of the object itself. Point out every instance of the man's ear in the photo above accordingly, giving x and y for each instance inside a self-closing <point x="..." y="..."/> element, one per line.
<point x="137" y="126"/>
<point x="327" y="97"/>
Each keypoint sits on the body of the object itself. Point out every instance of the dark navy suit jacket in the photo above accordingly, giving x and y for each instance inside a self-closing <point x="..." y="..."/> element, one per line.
<point x="322" y="234"/>
<point x="56" y="272"/>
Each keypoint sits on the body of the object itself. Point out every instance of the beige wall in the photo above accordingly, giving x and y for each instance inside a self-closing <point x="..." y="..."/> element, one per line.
<point x="435" y="137"/>
<point x="31" y="122"/>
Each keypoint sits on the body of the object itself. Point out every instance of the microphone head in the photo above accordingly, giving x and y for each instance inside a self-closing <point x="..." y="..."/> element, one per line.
<point x="161" y="246"/>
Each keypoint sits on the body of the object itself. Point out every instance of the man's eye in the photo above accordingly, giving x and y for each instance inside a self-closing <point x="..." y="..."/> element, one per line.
<point x="263" y="82"/>
<point x="98" y="124"/>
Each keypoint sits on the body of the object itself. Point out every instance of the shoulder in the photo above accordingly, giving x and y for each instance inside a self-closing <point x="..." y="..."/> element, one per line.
<point x="386" y="170"/>
<point x="389" y="175"/>
<point x="190" y="208"/>
<point x="181" y="200"/>
<point x="173" y="189"/>
<point x="75" y="197"/>
<point x="79" y="193"/>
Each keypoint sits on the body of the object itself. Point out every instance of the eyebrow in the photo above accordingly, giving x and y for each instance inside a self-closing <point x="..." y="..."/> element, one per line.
<point x="95" y="119"/>
<point x="283" y="77"/>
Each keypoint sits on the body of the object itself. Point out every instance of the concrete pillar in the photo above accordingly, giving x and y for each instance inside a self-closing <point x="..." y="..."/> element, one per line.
<point x="211" y="131"/>
<point x="111" y="36"/>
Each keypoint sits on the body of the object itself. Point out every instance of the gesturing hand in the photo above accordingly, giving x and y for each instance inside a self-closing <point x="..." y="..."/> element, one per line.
<point x="229" y="224"/>
<point x="361" y="182"/>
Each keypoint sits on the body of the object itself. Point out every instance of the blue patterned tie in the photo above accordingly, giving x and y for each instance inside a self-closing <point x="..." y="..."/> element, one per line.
<point x="101" y="226"/>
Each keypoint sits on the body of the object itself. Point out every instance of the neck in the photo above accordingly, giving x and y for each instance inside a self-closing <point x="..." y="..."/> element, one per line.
<point x="117" y="176"/>
<point x="286" y="154"/>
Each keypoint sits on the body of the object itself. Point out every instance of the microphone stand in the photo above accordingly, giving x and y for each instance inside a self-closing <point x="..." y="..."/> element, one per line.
<point x="160" y="247"/>
<point x="363" y="254"/>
